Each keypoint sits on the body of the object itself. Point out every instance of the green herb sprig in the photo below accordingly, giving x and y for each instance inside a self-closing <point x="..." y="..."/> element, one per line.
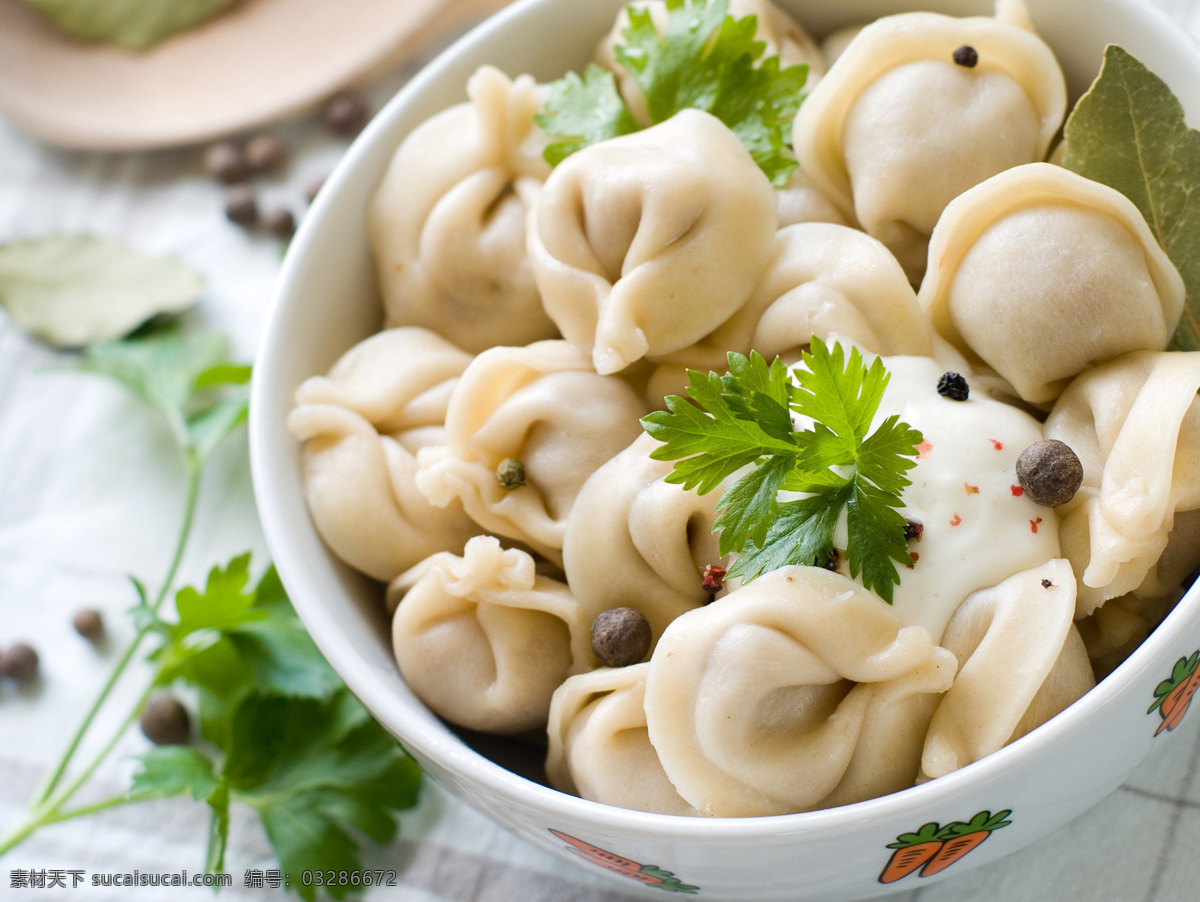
<point x="744" y="418"/>
<point x="704" y="59"/>
<point x="281" y="733"/>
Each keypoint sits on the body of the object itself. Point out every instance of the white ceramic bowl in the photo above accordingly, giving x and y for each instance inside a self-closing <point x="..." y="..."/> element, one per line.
<point x="327" y="301"/>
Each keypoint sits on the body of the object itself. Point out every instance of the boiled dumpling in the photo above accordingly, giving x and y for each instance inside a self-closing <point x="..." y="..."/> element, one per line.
<point x="544" y="407"/>
<point x="635" y="540"/>
<point x="801" y="201"/>
<point x="644" y="244"/>
<point x="447" y="223"/>
<point x="1020" y="662"/>
<point x="361" y="428"/>
<point x="781" y="34"/>
<point x="599" y="746"/>
<point x="897" y="128"/>
<point x="1040" y="273"/>
<point x="825" y="280"/>
<point x="1134" y="423"/>
<point x="484" y="641"/>
<point x="796" y="691"/>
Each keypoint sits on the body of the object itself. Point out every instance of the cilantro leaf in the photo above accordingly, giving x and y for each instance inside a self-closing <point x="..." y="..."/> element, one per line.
<point x="1128" y="132"/>
<point x="704" y="59"/>
<point x="742" y="421"/>
<point x="584" y="111"/>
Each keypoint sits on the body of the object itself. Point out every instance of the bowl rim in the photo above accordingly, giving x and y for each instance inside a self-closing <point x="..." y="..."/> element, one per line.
<point x="426" y="738"/>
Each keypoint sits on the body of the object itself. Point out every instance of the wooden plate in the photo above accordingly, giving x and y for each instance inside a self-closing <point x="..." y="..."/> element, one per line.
<point x="260" y="62"/>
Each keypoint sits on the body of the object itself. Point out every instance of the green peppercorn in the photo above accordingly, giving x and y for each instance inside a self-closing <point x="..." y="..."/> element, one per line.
<point x="510" y="474"/>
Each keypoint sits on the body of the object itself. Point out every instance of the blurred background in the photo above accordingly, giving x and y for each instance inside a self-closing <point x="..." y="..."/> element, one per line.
<point x="128" y="146"/>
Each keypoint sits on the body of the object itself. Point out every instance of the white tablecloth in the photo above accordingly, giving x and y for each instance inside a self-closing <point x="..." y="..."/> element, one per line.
<point x="90" y="491"/>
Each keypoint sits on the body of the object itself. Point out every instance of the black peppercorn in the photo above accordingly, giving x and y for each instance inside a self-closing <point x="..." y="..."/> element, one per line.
<point x="241" y="205"/>
<point x="265" y="153"/>
<point x="620" y="637"/>
<point x="510" y="474"/>
<point x="19" y="662"/>
<point x="832" y="560"/>
<point x="279" y="223"/>
<point x="1049" y="472"/>
<point x="913" y="529"/>
<point x="164" y="721"/>
<point x="346" y="114"/>
<point x="226" y="163"/>
<point x="953" y="386"/>
<point x="89" y="624"/>
<point x="967" y="56"/>
<point x="310" y="192"/>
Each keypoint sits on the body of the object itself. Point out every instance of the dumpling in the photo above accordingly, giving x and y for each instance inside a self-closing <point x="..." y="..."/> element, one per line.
<point x="447" y="223"/>
<point x="1020" y="662"/>
<point x="796" y="691"/>
<point x="1040" y="273"/>
<point x="897" y="128"/>
<point x="544" y="406"/>
<point x="643" y="244"/>
<point x="825" y="280"/>
<point x="1134" y="423"/>
<point x="781" y="33"/>
<point x="961" y="494"/>
<point x="361" y="428"/>
<point x="599" y="747"/>
<point x="484" y="641"/>
<point x="635" y="540"/>
<point x="801" y="201"/>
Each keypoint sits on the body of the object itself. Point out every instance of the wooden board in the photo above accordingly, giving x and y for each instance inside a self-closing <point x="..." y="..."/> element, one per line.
<point x="260" y="62"/>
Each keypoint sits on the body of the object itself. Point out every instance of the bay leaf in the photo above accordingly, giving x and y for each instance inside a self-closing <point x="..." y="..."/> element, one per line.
<point x="77" y="290"/>
<point x="134" y="24"/>
<point x="1128" y="132"/>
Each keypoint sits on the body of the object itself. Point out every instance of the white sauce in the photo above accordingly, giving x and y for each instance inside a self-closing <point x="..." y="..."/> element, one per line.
<point x="978" y="527"/>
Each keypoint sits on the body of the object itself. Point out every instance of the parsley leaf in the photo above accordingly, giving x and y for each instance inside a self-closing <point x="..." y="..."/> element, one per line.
<point x="744" y="420"/>
<point x="704" y="59"/>
<point x="310" y="769"/>
<point x="292" y="742"/>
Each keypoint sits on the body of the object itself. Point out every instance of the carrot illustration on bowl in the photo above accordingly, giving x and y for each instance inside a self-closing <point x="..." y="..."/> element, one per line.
<point x="1173" y="696"/>
<point x="649" y="874"/>
<point x="933" y="848"/>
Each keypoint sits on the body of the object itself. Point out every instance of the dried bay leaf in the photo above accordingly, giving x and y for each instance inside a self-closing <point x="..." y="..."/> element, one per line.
<point x="77" y="290"/>
<point x="1128" y="132"/>
<point x="134" y="24"/>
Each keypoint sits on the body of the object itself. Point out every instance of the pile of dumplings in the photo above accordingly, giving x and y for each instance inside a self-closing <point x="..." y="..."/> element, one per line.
<point x="483" y="457"/>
